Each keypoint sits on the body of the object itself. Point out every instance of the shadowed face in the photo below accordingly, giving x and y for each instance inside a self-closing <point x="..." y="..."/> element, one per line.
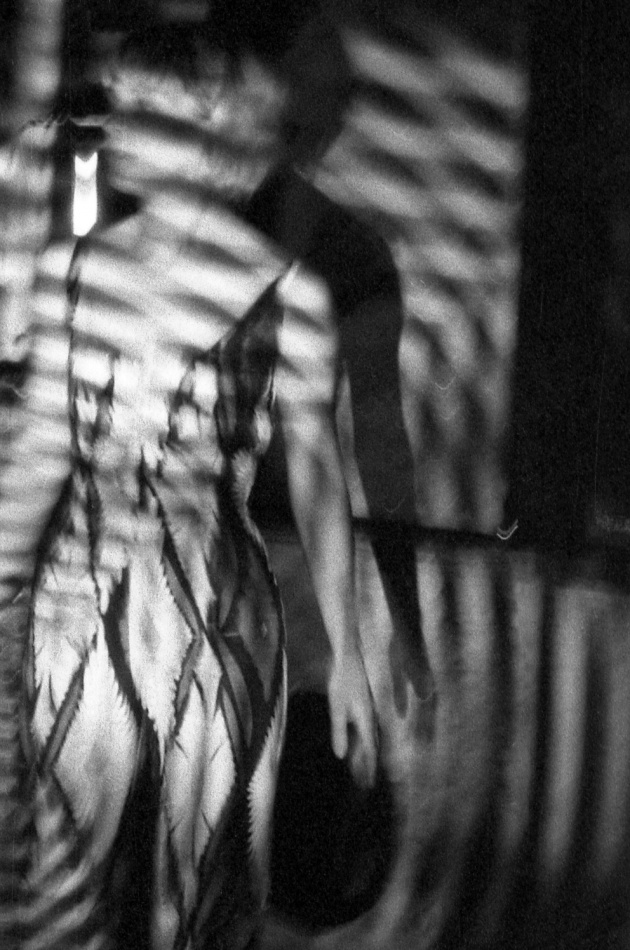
<point x="221" y="134"/>
<point x="223" y="129"/>
<point x="319" y="83"/>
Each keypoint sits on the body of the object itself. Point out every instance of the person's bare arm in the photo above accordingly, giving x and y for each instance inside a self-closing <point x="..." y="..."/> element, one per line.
<point x="319" y="498"/>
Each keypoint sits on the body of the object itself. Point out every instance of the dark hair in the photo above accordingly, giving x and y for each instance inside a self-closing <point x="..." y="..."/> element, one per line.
<point x="281" y="34"/>
<point x="265" y="28"/>
<point x="183" y="50"/>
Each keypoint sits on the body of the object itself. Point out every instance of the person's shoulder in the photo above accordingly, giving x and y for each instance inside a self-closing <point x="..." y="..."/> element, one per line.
<point x="304" y="289"/>
<point x="308" y="325"/>
<point x="226" y="228"/>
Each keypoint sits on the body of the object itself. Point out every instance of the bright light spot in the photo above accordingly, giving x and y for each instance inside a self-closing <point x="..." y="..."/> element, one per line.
<point x="85" y="202"/>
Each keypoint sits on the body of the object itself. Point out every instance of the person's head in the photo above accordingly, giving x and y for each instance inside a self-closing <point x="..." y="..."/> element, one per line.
<point x="166" y="87"/>
<point x="301" y="48"/>
<point x="216" y="102"/>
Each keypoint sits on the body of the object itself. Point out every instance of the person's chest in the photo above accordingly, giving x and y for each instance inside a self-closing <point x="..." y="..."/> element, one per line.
<point x="145" y="312"/>
<point x="176" y="295"/>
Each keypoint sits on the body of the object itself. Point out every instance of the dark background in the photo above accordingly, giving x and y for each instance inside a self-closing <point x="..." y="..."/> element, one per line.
<point x="570" y="422"/>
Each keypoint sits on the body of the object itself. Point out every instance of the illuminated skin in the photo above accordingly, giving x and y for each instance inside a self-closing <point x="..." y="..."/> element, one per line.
<point x="306" y="375"/>
<point x="178" y="277"/>
<point x="305" y="381"/>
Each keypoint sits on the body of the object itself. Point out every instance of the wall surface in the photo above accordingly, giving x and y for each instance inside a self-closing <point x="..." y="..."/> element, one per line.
<point x="510" y="787"/>
<point x="430" y="159"/>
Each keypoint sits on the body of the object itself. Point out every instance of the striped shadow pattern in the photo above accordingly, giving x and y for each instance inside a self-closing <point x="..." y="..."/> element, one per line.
<point x="29" y="74"/>
<point x="512" y="791"/>
<point x="431" y="159"/>
<point x="155" y="680"/>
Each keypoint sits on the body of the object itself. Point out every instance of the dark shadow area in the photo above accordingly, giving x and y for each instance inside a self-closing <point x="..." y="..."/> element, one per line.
<point x="570" y="452"/>
<point x="9" y="20"/>
<point x="493" y="24"/>
<point x="13" y="376"/>
<point x="130" y="876"/>
<point x="334" y="843"/>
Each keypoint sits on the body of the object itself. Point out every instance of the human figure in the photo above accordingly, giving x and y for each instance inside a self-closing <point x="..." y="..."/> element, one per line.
<point x="357" y="265"/>
<point x="155" y="681"/>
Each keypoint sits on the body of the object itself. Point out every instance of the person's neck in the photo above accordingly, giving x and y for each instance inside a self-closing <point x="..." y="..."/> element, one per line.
<point x="168" y="222"/>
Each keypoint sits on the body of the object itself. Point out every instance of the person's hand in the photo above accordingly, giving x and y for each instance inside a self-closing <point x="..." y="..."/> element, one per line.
<point x="352" y="716"/>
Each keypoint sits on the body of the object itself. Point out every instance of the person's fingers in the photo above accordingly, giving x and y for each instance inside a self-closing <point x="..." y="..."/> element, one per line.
<point x="339" y="730"/>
